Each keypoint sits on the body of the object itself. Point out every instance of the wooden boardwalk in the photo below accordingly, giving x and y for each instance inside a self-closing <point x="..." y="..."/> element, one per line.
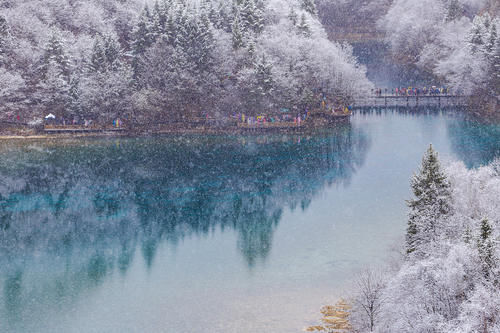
<point x="12" y="123"/>
<point x="80" y="129"/>
<point x="411" y="101"/>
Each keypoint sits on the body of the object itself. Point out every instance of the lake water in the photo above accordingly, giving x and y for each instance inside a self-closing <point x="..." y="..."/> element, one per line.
<point x="209" y="233"/>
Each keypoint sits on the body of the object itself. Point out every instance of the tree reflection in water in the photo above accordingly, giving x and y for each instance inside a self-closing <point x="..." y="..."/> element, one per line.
<point x="96" y="202"/>
<point x="475" y="142"/>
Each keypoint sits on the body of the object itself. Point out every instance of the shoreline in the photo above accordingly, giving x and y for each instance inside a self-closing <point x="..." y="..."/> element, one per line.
<point x="170" y="131"/>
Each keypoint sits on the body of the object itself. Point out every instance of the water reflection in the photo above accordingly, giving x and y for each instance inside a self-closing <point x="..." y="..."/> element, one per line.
<point x="475" y="142"/>
<point x="85" y="208"/>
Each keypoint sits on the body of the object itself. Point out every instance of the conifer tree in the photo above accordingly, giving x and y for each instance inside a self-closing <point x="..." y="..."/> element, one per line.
<point x="251" y="16"/>
<point x="214" y="16"/>
<point x="476" y="35"/>
<point x="303" y="27"/>
<point x="164" y="7"/>
<point x="206" y="43"/>
<point x="251" y="49"/>
<point x="431" y="203"/>
<point x="105" y="54"/>
<point x="491" y="40"/>
<point x="495" y="68"/>
<point x="486" y="18"/>
<point x="156" y="23"/>
<point x="486" y="249"/>
<point x="4" y="38"/>
<point x="142" y="33"/>
<point x="112" y="51"/>
<point x="182" y="33"/>
<point x="98" y="57"/>
<point x="237" y="35"/>
<point x="263" y="72"/>
<point x="293" y="17"/>
<point x="74" y="104"/>
<point x="55" y="56"/>
<point x="170" y="30"/>
<point x="455" y="10"/>
<point x="309" y="6"/>
<point x="258" y="25"/>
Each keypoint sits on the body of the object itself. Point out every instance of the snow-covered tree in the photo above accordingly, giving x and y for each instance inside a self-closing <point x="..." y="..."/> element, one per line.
<point x="292" y="16"/>
<point x="449" y="38"/>
<point x="486" y="250"/>
<point x="237" y="34"/>
<point x="431" y="204"/>
<point x="309" y="6"/>
<point x="98" y="57"/>
<point x="212" y="49"/>
<point x="303" y="27"/>
<point x="55" y="56"/>
<point x="263" y="73"/>
<point x="477" y="35"/>
<point x="4" y="39"/>
<point x="455" y="10"/>
<point x="455" y="287"/>
<point x="142" y="37"/>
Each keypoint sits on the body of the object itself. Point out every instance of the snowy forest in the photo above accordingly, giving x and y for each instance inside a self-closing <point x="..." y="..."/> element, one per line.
<point x="168" y="59"/>
<point x="447" y="277"/>
<point x="456" y="40"/>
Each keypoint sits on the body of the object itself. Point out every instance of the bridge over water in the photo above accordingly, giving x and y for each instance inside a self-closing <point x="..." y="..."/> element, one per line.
<point x="441" y="100"/>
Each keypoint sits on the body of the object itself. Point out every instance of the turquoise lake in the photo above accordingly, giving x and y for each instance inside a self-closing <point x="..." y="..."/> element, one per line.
<point x="219" y="233"/>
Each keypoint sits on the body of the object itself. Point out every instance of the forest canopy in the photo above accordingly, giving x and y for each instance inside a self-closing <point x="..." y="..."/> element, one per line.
<point x="168" y="59"/>
<point x="455" y="40"/>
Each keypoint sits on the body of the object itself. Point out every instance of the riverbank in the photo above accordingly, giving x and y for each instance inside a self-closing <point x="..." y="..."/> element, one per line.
<point x="138" y="133"/>
<point x="255" y="128"/>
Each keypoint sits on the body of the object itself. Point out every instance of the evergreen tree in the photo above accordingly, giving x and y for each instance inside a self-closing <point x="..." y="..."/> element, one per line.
<point x="486" y="249"/>
<point x="141" y="36"/>
<point x="495" y="68"/>
<point x="182" y="33"/>
<point x="486" y="18"/>
<point x="141" y="39"/>
<point x="157" y="27"/>
<point x="263" y="73"/>
<point x="214" y="17"/>
<point x="251" y="49"/>
<point x="467" y="235"/>
<point x="170" y="30"/>
<point x="55" y="87"/>
<point x="477" y="35"/>
<point x="491" y="40"/>
<point x="206" y="43"/>
<point x="455" y="10"/>
<point x="303" y="27"/>
<point x="251" y="16"/>
<point x="74" y="104"/>
<point x="55" y="56"/>
<point x="258" y="25"/>
<point x="237" y="35"/>
<point x="4" y="40"/>
<point x="293" y="17"/>
<point x="98" y="57"/>
<point x="105" y="54"/>
<point x="430" y="205"/>
<point x="112" y="52"/>
<point x="310" y="7"/>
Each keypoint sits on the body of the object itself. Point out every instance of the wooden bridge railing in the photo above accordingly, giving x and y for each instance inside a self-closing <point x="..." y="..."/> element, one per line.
<point x="412" y="100"/>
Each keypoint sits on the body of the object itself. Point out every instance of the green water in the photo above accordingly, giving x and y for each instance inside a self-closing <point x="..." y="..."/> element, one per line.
<point x="209" y="233"/>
